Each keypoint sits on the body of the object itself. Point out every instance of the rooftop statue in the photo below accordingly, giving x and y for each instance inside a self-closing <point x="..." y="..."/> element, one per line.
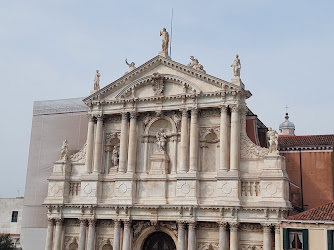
<point x="64" y="151"/>
<point x="273" y="141"/>
<point x="165" y="40"/>
<point x="131" y="65"/>
<point x="194" y="63"/>
<point x="236" y="65"/>
<point x="97" y="80"/>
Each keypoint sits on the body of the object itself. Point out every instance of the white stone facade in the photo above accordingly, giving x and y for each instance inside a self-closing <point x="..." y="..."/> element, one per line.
<point x="167" y="151"/>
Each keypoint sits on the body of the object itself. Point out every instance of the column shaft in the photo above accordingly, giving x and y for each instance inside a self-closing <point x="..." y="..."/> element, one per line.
<point x="82" y="236"/>
<point x="98" y="145"/>
<point x="191" y="236"/>
<point x="193" y="141"/>
<point x="266" y="237"/>
<point x="58" y="234"/>
<point x="235" y="139"/>
<point x="184" y="142"/>
<point x="117" y="235"/>
<point x="123" y="143"/>
<point x="223" y="236"/>
<point x="234" y="241"/>
<point x="180" y="236"/>
<point x="89" y="147"/>
<point x="132" y="142"/>
<point x="277" y="237"/>
<point x="223" y="142"/>
<point x="49" y="235"/>
<point x="91" y="235"/>
<point x="126" y="235"/>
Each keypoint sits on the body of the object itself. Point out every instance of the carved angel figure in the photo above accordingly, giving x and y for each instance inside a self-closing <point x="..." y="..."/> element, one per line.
<point x="131" y="65"/>
<point x="236" y="66"/>
<point x="161" y="140"/>
<point x="64" y="151"/>
<point x="165" y="40"/>
<point x="115" y="156"/>
<point x="273" y="141"/>
<point x="97" y="80"/>
<point x="194" y="63"/>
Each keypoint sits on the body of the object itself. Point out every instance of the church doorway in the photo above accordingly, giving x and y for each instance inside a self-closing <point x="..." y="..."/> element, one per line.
<point x="159" y="241"/>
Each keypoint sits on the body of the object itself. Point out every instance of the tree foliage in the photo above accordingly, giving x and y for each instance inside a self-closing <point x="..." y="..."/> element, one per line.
<point x="6" y="242"/>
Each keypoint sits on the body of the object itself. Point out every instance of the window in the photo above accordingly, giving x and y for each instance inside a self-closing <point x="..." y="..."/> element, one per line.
<point x="295" y="239"/>
<point x="330" y="239"/>
<point x="14" y="216"/>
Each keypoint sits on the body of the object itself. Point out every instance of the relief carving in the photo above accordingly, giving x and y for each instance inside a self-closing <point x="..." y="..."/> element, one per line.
<point x="80" y="156"/>
<point x="251" y="247"/>
<point x="157" y="82"/>
<point x="138" y="227"/>
<point x="209" y="112"/>
<point x="207" y="246"/>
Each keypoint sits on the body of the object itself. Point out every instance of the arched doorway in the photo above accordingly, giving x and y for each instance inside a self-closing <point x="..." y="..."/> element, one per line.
<point x="159" y="241"/>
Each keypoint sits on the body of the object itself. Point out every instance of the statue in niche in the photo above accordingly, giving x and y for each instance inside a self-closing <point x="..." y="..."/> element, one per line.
<point x="115" y="156"/>
<point x="97" y="80"/>
<point x="131" y="65"/>
<point x="177" y="119"/>
<point x="64" y="151"/>
<point x="236" y="66"/>
<point x="273" y="141"/>
<point x="194" y="63"/>
<point x="165" y="40"/>
<point x="161" y="140"/>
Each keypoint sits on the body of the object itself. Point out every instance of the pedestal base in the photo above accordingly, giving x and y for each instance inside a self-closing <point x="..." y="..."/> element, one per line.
<point x="159" y="163"/>
<point x="164" y="54"/>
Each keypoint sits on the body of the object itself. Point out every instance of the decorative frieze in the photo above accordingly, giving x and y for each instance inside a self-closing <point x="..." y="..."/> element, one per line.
<point x="250" y="227"/>
<point x="212" y="112"/>
<point x="207" y="224"/>
<point x="207" y="246"/>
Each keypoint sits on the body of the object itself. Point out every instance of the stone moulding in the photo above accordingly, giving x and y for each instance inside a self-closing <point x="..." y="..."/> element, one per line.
<point x="80" y="156"/>
<point x="249" y="150"/>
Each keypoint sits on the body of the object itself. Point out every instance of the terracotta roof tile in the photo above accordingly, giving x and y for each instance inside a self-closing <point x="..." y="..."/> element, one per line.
<point x="321" y="213"/>
<point x="305" y="141"/>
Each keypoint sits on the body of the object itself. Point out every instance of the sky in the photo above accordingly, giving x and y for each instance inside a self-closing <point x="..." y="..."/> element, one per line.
<point x="51" y="49"/>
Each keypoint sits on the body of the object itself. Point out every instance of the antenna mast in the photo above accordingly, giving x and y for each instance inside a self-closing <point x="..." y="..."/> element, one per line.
<point x="171" y="34"/>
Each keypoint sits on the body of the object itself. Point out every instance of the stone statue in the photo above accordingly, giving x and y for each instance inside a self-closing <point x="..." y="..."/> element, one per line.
<point x="273" y="141"/>
<point x="177" y="119"/>
<point x="115" y="156"/>
<point x="194" y="63"/>
<point x="161" y="140"/>
<point x="97" y="80"/>
<point x="236" y="66"/>
<point x="64" y="151"/>
<point x="165" y="40"/>
<point x="131" y="65"/>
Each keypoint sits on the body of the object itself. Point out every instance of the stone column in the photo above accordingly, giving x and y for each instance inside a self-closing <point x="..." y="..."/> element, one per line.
<point x="193" y="156"/>
<point x="180" y="236"/>
<point x="82" y="236"/>
<point x="223" y="140"/>
<point x="109" y="148"/>
<point x="132" y="143"/>
<point x="90" y="143"/>
<point x="91" y="235"/>
<point x="234" y="241"/>
<point x="117" y="235"/>
<point x="58" y="234"/>
<point x="184" y="142"/>
<point x="126" y="235"/>
<point x="266" y="237"/>
<point x="123" y="143"/>
<point x="235" y="139"/>
<point x="49" y="235"/>
<point x="191" y="236"/>
<point x="223" y="236"/>
<point x="98" y="145"/>
<point x="277" y="237"/>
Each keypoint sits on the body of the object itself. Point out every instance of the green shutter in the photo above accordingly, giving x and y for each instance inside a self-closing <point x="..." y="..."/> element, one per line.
<point x="330" y="239"/>
<point x="285" y="239"/>
<point x="305" y="239"/>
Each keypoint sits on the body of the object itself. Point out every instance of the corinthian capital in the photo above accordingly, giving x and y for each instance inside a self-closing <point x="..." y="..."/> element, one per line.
<point x="234" y="226"/>
<point x="124" y="115"/>
<point x="235" y="108"/>
<point x="133" y="115"/>
<point x="266" y="228"/>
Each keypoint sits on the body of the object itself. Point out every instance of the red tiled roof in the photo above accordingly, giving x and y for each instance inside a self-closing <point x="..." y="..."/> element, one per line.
<point x="321" y="213"/>
<point x="305" y="141"/>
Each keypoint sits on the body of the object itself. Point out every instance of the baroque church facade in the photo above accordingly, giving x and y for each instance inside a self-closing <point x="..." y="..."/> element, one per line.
<point x="168" y="165"/>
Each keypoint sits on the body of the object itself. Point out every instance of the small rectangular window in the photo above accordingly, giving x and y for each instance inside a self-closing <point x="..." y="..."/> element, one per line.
<point x="295" y="239"/>
<point x="14" y="216"/>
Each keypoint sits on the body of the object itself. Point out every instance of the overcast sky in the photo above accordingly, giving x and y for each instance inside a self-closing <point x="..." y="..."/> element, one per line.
<point x="51" y="49"/>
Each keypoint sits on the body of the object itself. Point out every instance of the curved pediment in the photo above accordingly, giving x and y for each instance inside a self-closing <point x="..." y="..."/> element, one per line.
<point x="157" y="85"/>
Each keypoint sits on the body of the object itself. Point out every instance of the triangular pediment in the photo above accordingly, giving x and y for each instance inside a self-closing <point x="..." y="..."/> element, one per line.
<point x="139" y="82"/>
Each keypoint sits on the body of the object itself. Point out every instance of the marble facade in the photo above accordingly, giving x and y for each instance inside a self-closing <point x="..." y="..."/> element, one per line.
<point x="167" y="151"/>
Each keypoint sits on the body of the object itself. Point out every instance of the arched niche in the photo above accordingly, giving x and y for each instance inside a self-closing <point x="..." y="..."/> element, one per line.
<point x="112" y="152"/>
<point x="209" y="151"/>
<point x="73" y="246"/>
<point x="107" y="247"/>
<point x="156" y="123"/>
